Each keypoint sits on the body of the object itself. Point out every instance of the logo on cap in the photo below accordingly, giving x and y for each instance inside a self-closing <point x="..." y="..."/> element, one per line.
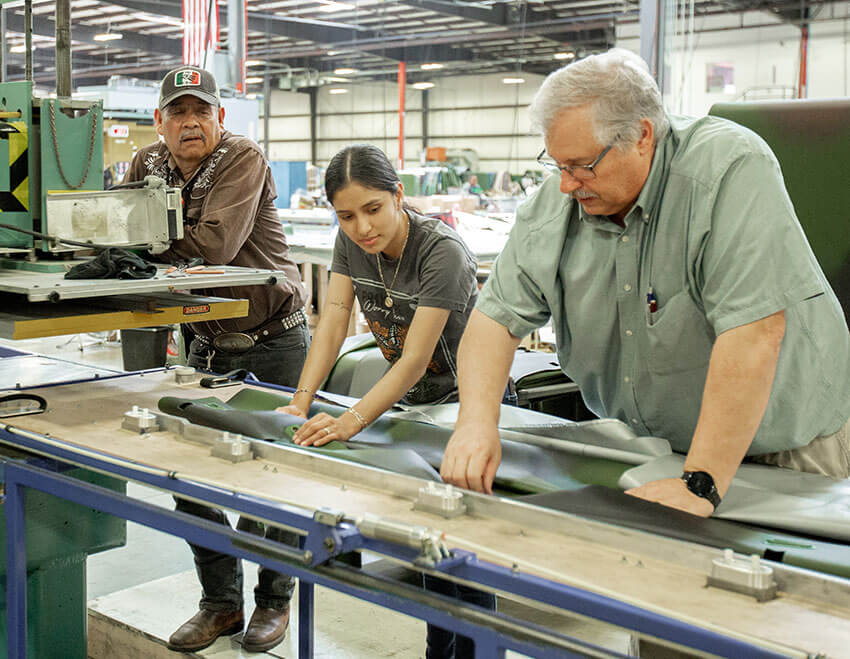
<point x="187" y="78"/>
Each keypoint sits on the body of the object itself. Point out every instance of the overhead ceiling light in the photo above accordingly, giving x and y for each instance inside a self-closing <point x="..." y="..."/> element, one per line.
<point x="108" y="36"/>
<point x="253" y="80"/>
<point x="20" y="48"/>
<point x="423" y="85"/>
<point x="337" y="90"/>
<point x="335" y="79"/>
<point x="329" y="6"/>
<point x="344" y="71"/>
<point x="154" y="18"/>
<point x="431" y="66"/>
<point x="513" y="81"/>
<point x="564" y="55"/>
<point x="255" y="62"/>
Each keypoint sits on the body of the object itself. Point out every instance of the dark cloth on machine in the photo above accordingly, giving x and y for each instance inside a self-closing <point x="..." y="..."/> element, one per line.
<point x="113" y="263"/>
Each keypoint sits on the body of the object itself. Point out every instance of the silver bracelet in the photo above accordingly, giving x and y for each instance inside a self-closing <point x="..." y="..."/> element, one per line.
<point x="358" y="416"/>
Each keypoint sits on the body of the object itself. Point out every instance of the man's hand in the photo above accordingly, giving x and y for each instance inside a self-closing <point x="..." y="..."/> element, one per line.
<point x="472" y="457"/>
<point x="673" y="493"/>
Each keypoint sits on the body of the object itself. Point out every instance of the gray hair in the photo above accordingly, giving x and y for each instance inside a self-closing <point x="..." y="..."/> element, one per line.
<point x="620" y="89"/>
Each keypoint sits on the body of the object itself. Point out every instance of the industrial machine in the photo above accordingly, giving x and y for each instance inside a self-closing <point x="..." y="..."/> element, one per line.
<point x="136" y="215"/>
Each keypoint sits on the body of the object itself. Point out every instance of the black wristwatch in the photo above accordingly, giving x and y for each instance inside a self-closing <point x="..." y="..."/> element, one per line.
<point x="702" y="484"/>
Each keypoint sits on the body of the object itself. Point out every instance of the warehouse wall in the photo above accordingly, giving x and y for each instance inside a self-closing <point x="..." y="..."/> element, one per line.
<point x="478" y="112"/>
<point x="482" y="113"/>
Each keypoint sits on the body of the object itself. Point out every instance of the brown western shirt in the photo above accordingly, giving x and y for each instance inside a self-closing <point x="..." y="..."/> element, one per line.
<point x="229" y="218"/>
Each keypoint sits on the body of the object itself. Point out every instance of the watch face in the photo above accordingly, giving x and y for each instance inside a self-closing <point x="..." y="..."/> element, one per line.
<point x="700" y="483"/>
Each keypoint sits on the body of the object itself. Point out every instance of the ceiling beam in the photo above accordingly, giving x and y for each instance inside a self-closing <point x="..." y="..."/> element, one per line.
<point x="496" y="14"/>
<point x="85" y="34"/>
<point x="323" y="32"/>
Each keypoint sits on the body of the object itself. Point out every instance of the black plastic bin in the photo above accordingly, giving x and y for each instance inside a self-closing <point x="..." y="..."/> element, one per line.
<point x="144" y="347"/>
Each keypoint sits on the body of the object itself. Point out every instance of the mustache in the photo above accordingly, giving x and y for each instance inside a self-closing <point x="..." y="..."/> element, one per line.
<point x="191" y="135"/>
<point x="583" y="194"/>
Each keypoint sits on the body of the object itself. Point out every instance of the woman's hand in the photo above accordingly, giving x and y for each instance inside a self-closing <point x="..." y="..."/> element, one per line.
<point x="293" y="410"/>
<point x="324" y="428"/>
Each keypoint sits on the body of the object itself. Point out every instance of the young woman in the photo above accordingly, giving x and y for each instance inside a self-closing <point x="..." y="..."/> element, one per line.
<point x="415" y="281"/>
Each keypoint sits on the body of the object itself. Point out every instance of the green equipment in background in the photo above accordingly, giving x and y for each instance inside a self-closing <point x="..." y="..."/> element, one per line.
<point x="45" y="145"/>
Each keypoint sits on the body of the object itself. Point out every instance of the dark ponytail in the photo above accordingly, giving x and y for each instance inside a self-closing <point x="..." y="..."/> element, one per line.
<point x="364" y="164"/>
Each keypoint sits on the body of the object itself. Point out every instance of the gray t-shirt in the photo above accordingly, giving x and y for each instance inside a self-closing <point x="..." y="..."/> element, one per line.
<point x="436" y="270"/>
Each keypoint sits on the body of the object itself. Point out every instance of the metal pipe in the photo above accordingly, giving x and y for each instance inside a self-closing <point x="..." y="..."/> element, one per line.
<point x="63" y="48"/>
<point x="3" y="47"/>
<point x="28" y="38"/>
<point x="236" y="20"/>
<point x="267" y="110"/>
<point x="314" y="138"/>
<point x="424" y="119"/>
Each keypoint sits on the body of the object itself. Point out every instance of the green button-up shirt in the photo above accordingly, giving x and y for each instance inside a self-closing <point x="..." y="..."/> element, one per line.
<point x="714" y="235"/>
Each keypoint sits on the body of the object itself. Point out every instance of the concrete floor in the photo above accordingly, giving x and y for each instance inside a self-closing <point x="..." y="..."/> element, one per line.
<point x="139" y="593"/>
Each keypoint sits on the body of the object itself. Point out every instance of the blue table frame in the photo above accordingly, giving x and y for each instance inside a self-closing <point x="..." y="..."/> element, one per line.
<point x="493" y="632"/>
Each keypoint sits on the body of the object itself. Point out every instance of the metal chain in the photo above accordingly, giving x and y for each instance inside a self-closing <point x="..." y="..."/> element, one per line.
<point x="56" y="146"/>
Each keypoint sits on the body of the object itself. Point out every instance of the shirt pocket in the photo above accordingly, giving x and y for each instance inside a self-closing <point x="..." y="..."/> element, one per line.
<point x="678" y="336"/>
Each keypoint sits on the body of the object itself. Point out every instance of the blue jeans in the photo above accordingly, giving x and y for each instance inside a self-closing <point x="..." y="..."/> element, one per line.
<point x="277" y="361"/>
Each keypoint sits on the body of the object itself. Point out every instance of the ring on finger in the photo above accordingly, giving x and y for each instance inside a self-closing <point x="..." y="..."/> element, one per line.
<point x="327" y="431"/>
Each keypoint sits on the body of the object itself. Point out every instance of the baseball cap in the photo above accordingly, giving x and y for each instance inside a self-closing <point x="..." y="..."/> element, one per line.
<point x="191" y="80"/>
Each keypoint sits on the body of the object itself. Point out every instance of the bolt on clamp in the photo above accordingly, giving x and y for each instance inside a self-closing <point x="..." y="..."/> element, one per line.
<point x="232" y="447"/>
<point x="140" y="420"/>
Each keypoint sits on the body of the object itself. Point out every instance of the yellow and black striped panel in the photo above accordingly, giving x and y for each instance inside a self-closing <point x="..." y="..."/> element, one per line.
<point x="18" y="199"/>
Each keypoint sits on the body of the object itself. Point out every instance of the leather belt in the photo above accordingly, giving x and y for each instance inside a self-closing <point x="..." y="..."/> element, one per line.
<point x="240" y="342"/>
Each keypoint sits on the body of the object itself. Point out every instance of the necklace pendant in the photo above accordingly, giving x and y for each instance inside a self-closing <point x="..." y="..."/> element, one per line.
<point x="388" y="302"/>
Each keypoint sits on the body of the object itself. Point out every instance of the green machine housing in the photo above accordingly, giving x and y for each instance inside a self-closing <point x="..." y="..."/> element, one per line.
<point x="45" y="144"/>
<point x="59" y="537"/>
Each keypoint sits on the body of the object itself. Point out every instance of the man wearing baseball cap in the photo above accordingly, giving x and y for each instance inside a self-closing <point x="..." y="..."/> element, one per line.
<point x="229" y="219"/>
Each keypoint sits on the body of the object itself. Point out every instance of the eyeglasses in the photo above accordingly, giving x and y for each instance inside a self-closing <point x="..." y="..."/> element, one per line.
<point x="579" y="172"/>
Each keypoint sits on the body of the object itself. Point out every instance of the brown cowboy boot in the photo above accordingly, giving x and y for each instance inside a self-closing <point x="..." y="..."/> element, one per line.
<point x="266" y="629"/>
<point x="203" y="628"/>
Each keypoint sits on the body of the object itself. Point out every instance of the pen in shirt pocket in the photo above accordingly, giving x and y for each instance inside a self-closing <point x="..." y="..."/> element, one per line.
<point x="651" y="302"/>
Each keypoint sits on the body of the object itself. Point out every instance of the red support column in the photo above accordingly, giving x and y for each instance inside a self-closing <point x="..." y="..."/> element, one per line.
<point x="401" y="85"/>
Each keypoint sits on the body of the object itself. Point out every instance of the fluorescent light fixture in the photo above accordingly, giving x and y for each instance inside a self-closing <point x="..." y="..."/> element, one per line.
<point x="253" y="80"/>
<point x="513" y="81"/>
<point x="329" y="6"/>
<point x="255" y="62"/>
<point x="423" y="85"/>
<point x="564" y="55"/>
<point x="20" y="48"/>
<point x="108" y="36"/>
<point x="155" y="18"/>
<point x="431" y="66"/>
<point x="337" y="90"/>
<point x="344" y="71"/>
<point x="335" y="79"/>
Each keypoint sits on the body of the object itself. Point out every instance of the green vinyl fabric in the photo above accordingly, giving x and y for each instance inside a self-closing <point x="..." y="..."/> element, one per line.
<point x="392" y="443"/>
<point x="811" y="140"/>
<point x="545" y="477"/>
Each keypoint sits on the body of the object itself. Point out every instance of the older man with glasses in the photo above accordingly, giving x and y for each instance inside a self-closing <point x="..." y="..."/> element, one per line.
<point x="685" y="298"/>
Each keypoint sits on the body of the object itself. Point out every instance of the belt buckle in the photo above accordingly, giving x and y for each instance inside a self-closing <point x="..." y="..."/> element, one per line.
<point x="234" y="342"/>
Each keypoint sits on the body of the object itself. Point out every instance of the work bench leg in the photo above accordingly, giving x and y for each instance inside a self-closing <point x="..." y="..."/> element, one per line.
<point x="16" y="570"/>
<point x="305" y="620"/>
